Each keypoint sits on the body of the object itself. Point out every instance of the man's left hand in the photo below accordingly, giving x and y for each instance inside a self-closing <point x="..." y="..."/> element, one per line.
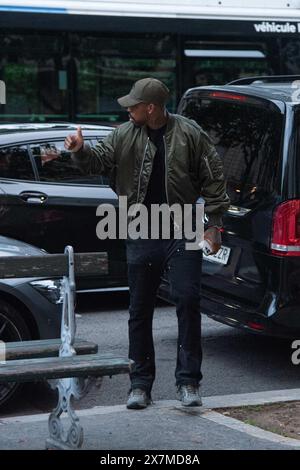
<point x="213" y="236"/>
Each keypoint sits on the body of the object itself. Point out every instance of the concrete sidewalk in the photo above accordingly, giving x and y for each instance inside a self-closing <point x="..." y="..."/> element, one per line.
<point x="165" y="425"/>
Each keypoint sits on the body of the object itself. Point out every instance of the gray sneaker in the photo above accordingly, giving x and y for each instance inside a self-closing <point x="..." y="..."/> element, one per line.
<point x="138" y="399"/>
<point x="189" y="395"/>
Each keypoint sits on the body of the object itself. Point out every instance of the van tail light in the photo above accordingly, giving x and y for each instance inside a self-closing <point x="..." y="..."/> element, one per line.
<point x="285" y="239"/>
<point x="228" y="96"/>
<point x="255" y="326"/>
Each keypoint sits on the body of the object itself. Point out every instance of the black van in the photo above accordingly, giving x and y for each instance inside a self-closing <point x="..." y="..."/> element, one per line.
<point x="254" y="281"/>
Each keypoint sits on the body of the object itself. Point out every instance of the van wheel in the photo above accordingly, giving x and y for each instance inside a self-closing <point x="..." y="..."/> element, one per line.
<point x="12" y="328"/>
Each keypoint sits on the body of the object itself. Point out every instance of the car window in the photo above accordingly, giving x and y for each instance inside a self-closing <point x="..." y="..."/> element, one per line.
<point x="55" y="165"/>
<point x="15" y="163"/>
<point x="247" y="138"/>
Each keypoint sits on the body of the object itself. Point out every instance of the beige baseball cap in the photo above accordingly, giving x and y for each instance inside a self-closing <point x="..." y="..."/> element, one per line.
<point x="146" y="90"/>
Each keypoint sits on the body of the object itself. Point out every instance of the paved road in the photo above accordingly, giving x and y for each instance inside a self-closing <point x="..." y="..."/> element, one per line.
<point x="234" y="361"/>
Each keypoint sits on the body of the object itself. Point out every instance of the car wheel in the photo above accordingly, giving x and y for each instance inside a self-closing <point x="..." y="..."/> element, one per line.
<point x="12" y="328"/>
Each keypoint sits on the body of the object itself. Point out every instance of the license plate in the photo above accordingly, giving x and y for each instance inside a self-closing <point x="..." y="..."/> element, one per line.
<point x="221" y="257"/>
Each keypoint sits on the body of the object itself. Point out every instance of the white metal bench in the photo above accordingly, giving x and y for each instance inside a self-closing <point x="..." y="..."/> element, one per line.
<point x="67" y="363"/>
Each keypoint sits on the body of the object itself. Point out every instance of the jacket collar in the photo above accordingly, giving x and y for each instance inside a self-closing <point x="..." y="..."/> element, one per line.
<point x="170" y="123"/>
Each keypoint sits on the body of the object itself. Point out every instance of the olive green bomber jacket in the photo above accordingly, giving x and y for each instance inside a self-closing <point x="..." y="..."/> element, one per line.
<point x="193" y="167"/>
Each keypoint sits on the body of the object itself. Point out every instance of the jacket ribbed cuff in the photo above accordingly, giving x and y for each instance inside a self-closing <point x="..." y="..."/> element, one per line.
<point x="83" y="152"/>
<point x="215" y="219"/>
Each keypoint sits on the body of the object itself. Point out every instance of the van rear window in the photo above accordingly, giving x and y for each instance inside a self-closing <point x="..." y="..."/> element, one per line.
<point x="247" y="138"/>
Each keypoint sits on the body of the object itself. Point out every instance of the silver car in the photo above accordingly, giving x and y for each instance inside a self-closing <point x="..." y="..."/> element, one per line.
<point x="30" y="308"/>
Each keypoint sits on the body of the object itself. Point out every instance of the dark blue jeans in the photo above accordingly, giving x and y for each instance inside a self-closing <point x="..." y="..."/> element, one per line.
<point x="146" y="261"/>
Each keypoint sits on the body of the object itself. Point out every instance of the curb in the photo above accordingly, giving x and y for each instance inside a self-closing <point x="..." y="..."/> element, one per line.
<point x="206" y="412"/>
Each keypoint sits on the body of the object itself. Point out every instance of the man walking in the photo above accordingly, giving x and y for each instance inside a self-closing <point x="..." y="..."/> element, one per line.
<point x="158" y="158"/>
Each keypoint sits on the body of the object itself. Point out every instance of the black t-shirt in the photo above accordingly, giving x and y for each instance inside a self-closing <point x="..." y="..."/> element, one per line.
<point x="156" y="191"/>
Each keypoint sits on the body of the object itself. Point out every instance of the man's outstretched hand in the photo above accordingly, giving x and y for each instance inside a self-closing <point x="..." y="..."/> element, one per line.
<point x="74" y="142"/>
<point x="213" y="236"/>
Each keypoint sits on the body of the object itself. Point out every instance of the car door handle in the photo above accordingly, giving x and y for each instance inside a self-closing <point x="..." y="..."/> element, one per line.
<point x="238" y="211"/>
<point x="33" y="197"/>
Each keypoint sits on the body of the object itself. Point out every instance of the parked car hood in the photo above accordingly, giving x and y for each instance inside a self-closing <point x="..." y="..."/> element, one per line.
<point x="12" y="247"/>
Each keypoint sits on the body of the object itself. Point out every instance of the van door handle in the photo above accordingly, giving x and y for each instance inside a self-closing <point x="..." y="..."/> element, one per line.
<point x="33" y="197"/>
<point x="238" y="211"/>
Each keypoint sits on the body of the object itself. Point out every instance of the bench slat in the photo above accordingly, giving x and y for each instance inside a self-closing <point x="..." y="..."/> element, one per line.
<point x="45" y="348"/>
<point x="85" y="264"/>
<point x="30" y="370"/>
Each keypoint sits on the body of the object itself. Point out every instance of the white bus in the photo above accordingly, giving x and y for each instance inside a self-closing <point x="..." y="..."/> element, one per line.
<point x="69" y="60"/>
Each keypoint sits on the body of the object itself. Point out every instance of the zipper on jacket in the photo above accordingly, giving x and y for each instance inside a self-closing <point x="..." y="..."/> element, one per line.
<point x="139" y="185"/>
<point x="208" y="167"/>
<point x="166" y="171"/>
<point x="176" y="226"/>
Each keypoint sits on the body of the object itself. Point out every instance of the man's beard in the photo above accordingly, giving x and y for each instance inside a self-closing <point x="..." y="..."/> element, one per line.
<point x="135" y="123"/>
